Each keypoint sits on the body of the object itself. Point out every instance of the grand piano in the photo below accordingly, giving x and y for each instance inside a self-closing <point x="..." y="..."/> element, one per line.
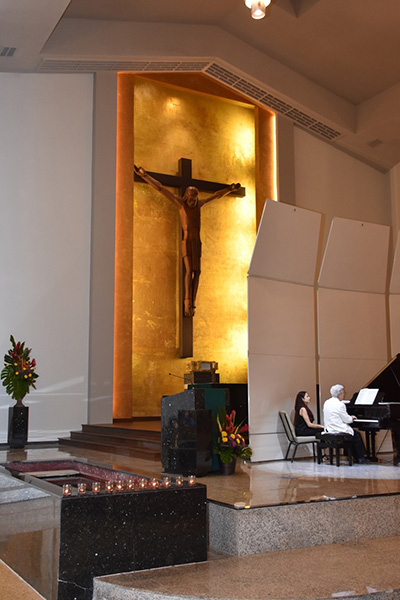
<point x="382" y="410"/>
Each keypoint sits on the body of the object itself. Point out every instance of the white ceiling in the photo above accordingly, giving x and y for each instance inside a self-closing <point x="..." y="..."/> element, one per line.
<point x="334" y="60"/>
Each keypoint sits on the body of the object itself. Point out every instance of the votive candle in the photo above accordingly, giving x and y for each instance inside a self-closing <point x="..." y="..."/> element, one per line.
<point x="96" y="487"/>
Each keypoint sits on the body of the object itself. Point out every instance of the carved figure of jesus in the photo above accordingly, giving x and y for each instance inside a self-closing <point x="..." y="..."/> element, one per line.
<point x="189" y="212"/>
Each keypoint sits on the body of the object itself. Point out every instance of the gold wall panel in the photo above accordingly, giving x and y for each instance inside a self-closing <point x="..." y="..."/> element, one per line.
<point x="218" y="135"/>
<point x="122" y="392"/>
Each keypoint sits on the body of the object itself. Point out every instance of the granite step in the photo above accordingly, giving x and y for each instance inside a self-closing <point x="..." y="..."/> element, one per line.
<point x="139" y="439"/>
<point x="104" y="444"/>
<point x="119" y="440"/>
<point x="365" y="570"/>
<point x="126" y="431"/>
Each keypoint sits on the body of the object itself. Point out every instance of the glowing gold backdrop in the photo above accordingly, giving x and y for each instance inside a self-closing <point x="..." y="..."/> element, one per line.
<point x="219" y="137"/>
<point x="193" y="117"/>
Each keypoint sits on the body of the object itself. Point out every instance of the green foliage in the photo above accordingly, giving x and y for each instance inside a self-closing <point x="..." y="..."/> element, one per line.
<point x="18" y="374"/>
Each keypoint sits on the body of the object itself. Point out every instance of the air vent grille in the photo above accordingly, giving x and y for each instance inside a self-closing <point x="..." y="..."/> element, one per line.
<point x="7" y="51"/>
<point x="213" y="69"/>
<point x="84" y="66"/>
<point x="263" y="97"/>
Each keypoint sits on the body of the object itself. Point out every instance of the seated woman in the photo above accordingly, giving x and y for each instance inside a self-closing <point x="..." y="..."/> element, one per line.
<point x="304" y="419"/>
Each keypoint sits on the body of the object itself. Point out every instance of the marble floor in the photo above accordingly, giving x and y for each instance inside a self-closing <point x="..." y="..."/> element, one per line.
<point x="361" y="569"/>
<point x="255" y="484"/>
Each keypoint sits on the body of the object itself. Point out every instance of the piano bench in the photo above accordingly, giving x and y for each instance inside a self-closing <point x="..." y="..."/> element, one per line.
<point x="335" y="442"/>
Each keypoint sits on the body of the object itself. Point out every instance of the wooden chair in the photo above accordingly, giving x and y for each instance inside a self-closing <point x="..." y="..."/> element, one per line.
<point x="293" y="439"/>
<point x="335" y="442"/>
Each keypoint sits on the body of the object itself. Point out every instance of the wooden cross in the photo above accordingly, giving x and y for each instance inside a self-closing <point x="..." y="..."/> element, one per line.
<point x="181" y="181"/>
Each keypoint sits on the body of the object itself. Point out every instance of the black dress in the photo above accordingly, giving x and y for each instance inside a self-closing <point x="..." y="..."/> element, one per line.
<point x="302" y="428"/>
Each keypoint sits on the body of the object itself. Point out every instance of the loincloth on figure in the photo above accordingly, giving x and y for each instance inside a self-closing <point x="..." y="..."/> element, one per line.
<point x="192" y="249"/>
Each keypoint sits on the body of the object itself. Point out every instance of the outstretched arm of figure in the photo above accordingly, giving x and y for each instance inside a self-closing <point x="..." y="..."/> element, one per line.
<point x="220" y="193"/>
<point x="158" y="186"/>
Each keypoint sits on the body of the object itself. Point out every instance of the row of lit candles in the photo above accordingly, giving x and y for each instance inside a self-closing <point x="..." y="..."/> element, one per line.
<point x="142" y="483"/>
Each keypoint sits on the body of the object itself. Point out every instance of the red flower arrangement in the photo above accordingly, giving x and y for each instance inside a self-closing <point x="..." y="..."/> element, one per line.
<point x="231" y="443"/>
<point x="18" y="374"/>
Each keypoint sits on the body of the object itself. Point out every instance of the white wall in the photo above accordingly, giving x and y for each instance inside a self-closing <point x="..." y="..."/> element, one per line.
<point x="337" y="185"/>
<point x="45" y="174"/>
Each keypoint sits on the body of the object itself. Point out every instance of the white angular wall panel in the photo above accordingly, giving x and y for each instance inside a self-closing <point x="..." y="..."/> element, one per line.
<point x="273" y="384"/>
<point x="395" y="276"/>
<point x="355" y="257"/>
<point x="352" y="311"/>
<point x="351" y="325"/>
<point x="281" y="297"/>
<point x="281" y="318"/>
<point x="274" y="446"/>
<point x="268" y="446"/>
<point x="353" y="373"/>
<point x="287" y="244"/>
<point x="394" y="302"/>
<point x="394" y="308"/>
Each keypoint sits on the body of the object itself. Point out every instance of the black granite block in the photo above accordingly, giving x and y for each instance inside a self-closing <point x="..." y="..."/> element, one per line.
<point x="105" y="533"/>
<point x="186" y="434"/>
<point x="170" y="405"/>
<point x="128" y="532"/>
<point x="215" y="400"/>
<point x="195" y="442"/>
<point x="180" y="537"/>
<point x="18" y="426"/>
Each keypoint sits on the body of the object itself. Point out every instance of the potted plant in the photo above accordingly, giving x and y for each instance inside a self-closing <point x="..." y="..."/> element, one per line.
<point x="18" y="377"/>
<point x="231" y="444"/>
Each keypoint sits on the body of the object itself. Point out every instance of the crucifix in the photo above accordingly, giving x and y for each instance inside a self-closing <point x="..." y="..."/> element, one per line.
<point x="189" y="206"/>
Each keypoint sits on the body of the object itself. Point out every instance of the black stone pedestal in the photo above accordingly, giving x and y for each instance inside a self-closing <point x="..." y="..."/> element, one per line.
<point x="18" y="426"/>
<point x="186" y="434"/>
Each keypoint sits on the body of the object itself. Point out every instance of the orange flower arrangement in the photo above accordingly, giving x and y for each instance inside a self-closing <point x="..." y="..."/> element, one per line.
<point x="231" y="443"/>
<point x="18" y="374"/>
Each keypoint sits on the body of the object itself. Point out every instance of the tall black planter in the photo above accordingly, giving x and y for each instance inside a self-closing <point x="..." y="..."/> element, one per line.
<point x="18" y="425"/>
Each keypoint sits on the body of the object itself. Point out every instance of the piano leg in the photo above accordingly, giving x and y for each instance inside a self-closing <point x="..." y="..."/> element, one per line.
<point x="373" y="457"/>
<point x="396" y="447"/>
<point x="370" y="435"/>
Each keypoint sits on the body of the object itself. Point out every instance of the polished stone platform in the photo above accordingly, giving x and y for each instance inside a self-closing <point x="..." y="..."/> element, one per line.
<point x="140" y="523"/>
<point x="356" y="505"/>
<point x="362" y="568"/>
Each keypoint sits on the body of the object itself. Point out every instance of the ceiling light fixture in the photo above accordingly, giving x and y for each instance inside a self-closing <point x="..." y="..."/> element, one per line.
<point x="257" y="7"/>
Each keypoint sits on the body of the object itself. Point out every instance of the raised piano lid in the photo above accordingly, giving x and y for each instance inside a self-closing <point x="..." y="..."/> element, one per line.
<point x="388" y="380"/>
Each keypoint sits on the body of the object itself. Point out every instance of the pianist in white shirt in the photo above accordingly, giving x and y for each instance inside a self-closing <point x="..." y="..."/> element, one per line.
<point x="337" y="420"/>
